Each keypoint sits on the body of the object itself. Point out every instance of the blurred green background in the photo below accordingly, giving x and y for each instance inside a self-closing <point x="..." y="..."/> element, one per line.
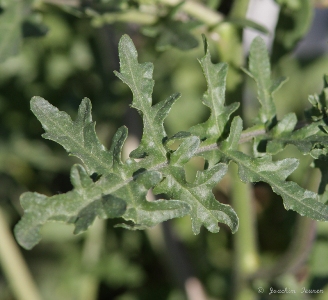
<point x="64" y="57"/>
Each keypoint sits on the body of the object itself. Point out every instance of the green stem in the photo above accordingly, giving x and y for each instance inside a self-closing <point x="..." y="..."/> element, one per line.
<point x="90" y="257"/>
<point x="14" y="266"/>
<point x="130" y="16"/>
<point x="245" y="249"/>
<point x="239" y="9"/>
<point x="197" y="10"/>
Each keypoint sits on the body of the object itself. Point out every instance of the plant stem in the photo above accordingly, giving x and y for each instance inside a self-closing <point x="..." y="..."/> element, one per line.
<point x="90" y="257"/>
<point x="245" y="249"/>
<point x="239" y="9"/>
<point x="130" y="16"/>
<point x="14" y="266"/>
<point x="198" y="11"/>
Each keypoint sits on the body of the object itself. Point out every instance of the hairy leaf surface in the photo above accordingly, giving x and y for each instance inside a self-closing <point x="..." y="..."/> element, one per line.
<point x="139" y="78"/>
<point x="107" y="198"/>
<point x="214" y="98"/>
<point x="274" y="173"/>
<point x="260" y="71"/>
<point x="121" y="187"/>
<point x="308" y="139"/>
<point x="77" y="137"/>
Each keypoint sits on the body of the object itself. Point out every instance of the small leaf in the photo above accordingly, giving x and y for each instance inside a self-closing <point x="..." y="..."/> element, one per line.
<point x="185" y="151"/>
<point x="78" y="137"/>
<point x="214" y="98"/>
<point x="308" y="139"/>
<point x="260" y="71"/>
<point x="231" y="143"/>
<point x="319" y="109"/>
<point x="139" y="78"/>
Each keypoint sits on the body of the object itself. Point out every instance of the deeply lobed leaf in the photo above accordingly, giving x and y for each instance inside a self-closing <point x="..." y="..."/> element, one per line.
<point x="77" y="137"/>
<point x="214" y="98"/>
<point x="139" y="78"/>
<point x="260" y="71"/>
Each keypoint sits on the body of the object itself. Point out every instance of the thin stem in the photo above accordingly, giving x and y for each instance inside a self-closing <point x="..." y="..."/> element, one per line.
<point x="239" y="9"/>
<point x="90" y="257"/>
<point x="74" y="3"/>
<point x="198" y="11"/>
<point x="245" y="249"/>
<point x="14" y="266"/>
<point x="130" y="16"/>
<point x="193" y="8"/>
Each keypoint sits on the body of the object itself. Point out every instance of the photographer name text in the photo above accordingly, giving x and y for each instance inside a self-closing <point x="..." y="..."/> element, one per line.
<point x="291" y="291"/>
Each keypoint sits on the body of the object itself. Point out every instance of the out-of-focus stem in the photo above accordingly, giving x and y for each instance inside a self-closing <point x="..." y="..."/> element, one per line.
<point x="239" y="9"/>
<point x="198" y="11"/>
<point x="245" y="245"/>
<point x="90" y="257"/>
<point x="14" y="265"/>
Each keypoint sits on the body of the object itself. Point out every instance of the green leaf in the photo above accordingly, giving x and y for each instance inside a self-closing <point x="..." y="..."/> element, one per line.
<point x="185" y="151"/>
<point x="308" y="139"/>
<point x="214" y="98"/>
<point x="305" y="202"/>
<point x="231" y="143"/>
<point x="77" y="137"/>
<point x="109" y="197"/>
<point x="205" y="209"/>
<point x="139" y="78"/>
<point x="319" y="109"/>
<point x="79" y="206"/>
<point x="260" y="71"/>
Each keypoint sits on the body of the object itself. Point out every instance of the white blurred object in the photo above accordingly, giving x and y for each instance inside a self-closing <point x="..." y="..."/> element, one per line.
<point x="265" y="13"/>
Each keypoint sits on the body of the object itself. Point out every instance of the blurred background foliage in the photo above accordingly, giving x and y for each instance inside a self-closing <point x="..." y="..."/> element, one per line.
<point x="64" y="50"/>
